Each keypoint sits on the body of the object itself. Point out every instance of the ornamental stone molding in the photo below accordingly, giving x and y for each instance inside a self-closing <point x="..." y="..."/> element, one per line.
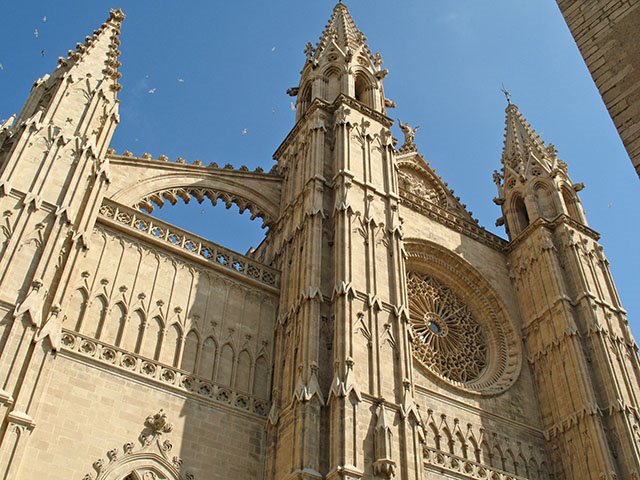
<point x="463" y="335"/>
<point x="153" y="460"/>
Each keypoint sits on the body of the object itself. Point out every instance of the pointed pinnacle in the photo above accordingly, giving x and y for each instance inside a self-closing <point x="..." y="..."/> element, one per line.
<point x="109" y="32"/>
<point x="342" y="29"/>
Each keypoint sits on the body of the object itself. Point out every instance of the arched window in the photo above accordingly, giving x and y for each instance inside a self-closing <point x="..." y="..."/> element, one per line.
<point x="545" y="202"/>
<point x="76" y="310"/>
<point x="243" y="375"/>
<point x="304" y="100"/>
<point x="113" y="324"/>
<point x="152" y="337"/>
<point x="225" y="365"/>
<point x="208" y="358"/>
<point x="261" y="379"/>
<point x="333" y="85"/>
<point x="93" y="323"/>
<point x="170" y="344"/>
<point x="521" y="215"/>
<point x="190" y="353"/>
<point x="363" y="90"/>
<point x="571" y="204"/>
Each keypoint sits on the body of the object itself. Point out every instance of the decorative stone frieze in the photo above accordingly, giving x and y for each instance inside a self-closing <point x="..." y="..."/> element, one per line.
<point x="166" y="376"/>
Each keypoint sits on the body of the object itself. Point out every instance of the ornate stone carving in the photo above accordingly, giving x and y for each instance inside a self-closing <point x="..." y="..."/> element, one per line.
<point x="462" y="333"/>
<point x="152" y="461"/>
<point x="447" y="339"/>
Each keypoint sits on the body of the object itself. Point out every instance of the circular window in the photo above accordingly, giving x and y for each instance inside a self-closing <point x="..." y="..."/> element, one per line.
<point x="448" y="340"/>
<point x="463" y="339"/>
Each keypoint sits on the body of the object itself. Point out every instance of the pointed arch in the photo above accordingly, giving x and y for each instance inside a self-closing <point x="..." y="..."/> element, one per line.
<point x="243" y="372"/>
<point x="522" y="466"/>
<point x="475" y="449"/>
<point x="332" y="83"/>
<point x="486" y="453"/>
<point x="499" y="460"/>
<point x="448" y="438"/>
<point x="304" y="99"/>
<point x="76" y="309"/>
<point x="363" y="89"/>
<point x="190" y="351"/>
<point x="510" y="461"/>
<point x="534" y="470"/>
<point x="208" y="358"/>
<point x="113" y="324"/>
<point x="571" y="204"/>
<point x="544" y="199"/>
<point x="460" y="445"/>
<point x="152" y="338"/>
<point x="435" y="435"/>
<point x="521" y="216"/>
<point x="225" y="365"/>
<point x="95" y="316"/>
<point x="133" y="331"/>
<point x="262" y="378"/>
<point x="169" y="351"/>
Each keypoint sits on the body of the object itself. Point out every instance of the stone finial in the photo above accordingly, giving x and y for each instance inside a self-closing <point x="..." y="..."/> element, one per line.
<point x="158" y="422"/>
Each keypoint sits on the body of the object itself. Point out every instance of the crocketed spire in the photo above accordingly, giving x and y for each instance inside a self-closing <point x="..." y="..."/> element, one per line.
<point x="342" y="30"/>
<point x="523" y="145"/>
<point x="99" y="52"/>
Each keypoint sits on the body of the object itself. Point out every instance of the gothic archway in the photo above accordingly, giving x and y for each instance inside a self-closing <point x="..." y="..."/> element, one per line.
<point x="148" y="183"/>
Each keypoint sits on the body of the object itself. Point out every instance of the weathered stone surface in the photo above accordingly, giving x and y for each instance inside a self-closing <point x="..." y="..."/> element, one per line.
<point x="378" y="332"/>
<point x="606" y="32"/>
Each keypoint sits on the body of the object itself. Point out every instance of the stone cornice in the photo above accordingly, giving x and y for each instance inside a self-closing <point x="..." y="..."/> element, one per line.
<point x="118" y="361"/>
<point x="319" y="104"/>
<point x="551" y="225"/>
<point x="181" y="165"/>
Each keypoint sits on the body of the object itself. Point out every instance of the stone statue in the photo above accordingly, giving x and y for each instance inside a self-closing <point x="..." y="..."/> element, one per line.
<point x="409" y="135"/>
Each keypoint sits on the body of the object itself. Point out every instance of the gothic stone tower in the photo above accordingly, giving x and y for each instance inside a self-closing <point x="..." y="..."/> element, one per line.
<point x="576" y="332"/>
<point x="378" y="332"/>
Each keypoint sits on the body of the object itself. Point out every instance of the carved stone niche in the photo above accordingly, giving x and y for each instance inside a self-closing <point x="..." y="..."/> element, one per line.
<point x="153" y="460"/>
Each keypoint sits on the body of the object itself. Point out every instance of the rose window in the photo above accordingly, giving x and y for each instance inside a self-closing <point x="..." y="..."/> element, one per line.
<point x="447" y="338"/>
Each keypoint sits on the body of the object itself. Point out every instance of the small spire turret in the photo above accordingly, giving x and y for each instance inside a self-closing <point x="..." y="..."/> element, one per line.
<point x="533" y="182"/>
<point x="341" y="63"/>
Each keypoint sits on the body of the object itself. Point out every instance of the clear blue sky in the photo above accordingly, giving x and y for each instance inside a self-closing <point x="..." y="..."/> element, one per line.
<point x="447" y="61"/>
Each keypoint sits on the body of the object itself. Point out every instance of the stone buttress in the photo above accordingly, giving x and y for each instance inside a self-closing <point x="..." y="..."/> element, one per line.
<point x="343" y="395"/>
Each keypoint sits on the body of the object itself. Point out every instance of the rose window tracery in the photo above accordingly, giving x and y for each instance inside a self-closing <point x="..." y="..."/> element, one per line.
<point x="448" y="340"/>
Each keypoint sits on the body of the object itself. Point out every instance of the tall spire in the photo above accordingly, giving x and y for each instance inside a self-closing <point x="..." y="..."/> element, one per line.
<point x="341" y="30"/>
<point x="341" y="64"/>
<point x="533" y="182"/>
<point x="102" y="46"/>
<point x="523" y="146"/>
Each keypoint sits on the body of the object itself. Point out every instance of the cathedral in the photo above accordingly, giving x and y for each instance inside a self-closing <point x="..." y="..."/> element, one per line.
<point x="378" y="331"/>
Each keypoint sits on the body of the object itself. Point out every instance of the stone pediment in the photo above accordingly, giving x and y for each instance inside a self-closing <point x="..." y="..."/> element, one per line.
<point x="417" y="180"/>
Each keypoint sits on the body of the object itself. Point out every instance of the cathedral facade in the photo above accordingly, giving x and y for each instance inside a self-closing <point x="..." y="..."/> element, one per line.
<point x="378" y="332"/>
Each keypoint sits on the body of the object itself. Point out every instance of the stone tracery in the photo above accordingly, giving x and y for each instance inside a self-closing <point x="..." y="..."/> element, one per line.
<point x="449" y="341"/>
<point x="483" y="356"/>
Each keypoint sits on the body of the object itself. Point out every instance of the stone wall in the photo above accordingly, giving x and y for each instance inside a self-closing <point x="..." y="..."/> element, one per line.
<point x="90" y="410"/>
<point x="606" y="32"/>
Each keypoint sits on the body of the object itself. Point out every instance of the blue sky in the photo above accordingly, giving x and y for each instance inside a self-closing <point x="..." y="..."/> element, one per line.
<point x="217" y="69"/>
